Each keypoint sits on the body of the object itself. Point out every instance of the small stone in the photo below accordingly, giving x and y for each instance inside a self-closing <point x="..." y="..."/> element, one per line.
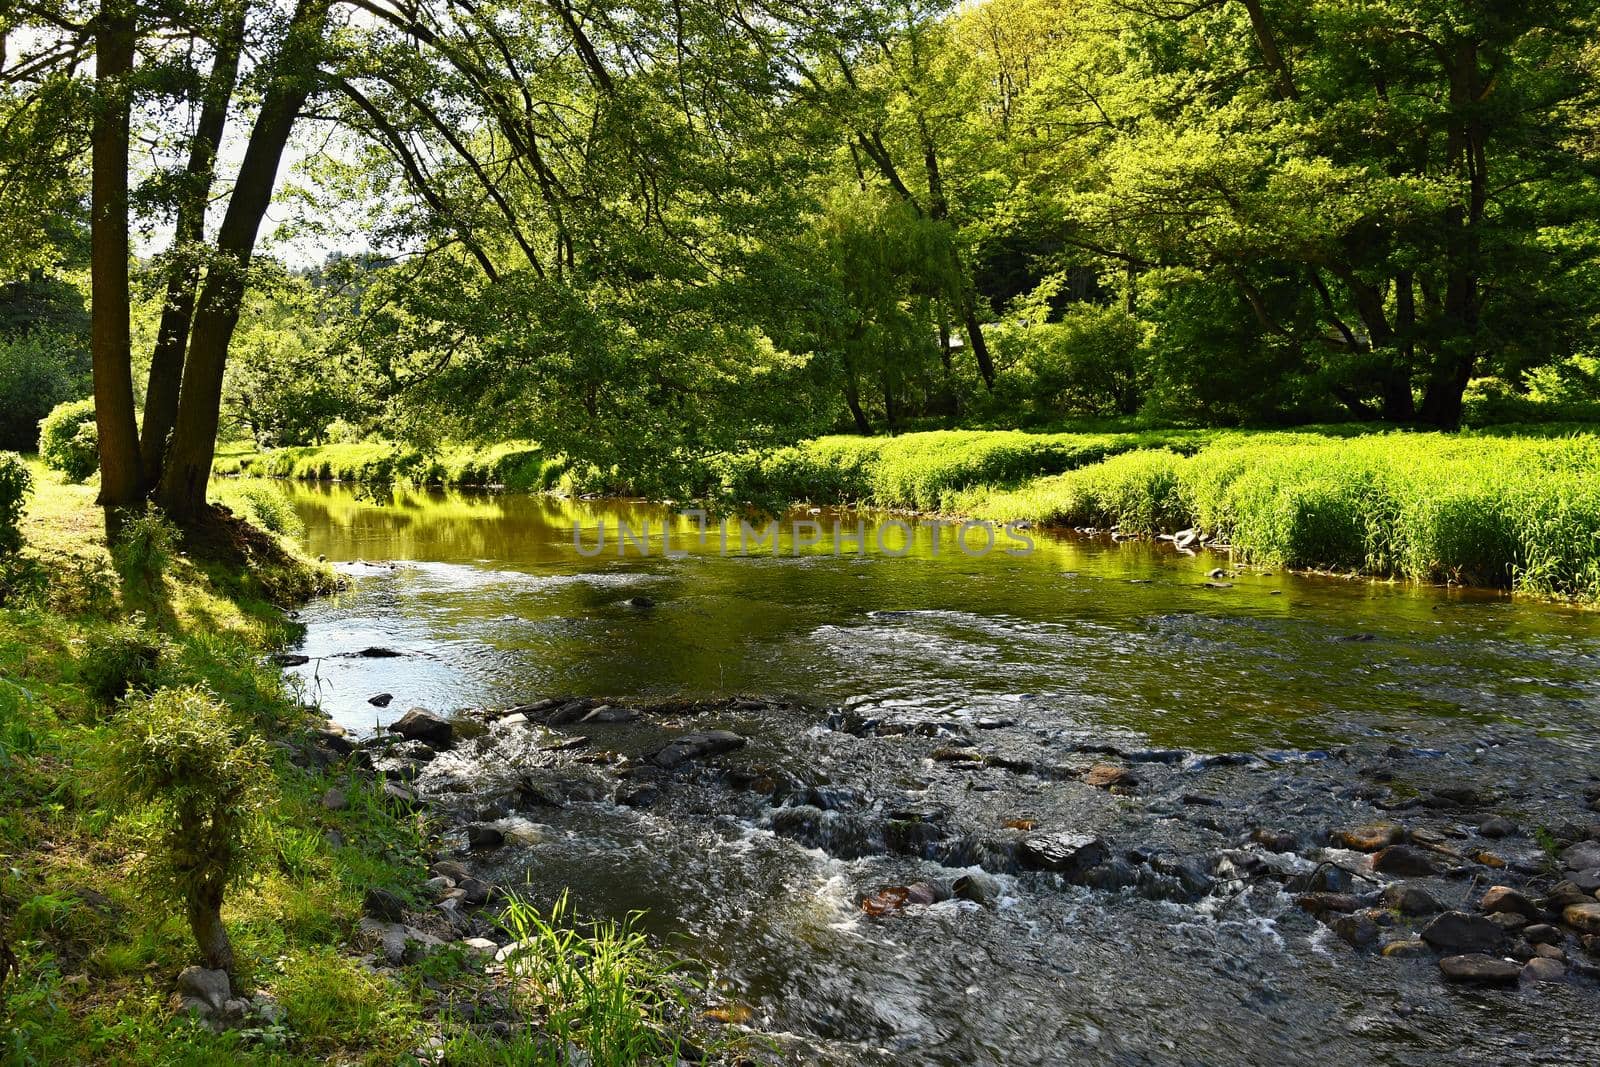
<point x="1106" y="775"/>
<point x="687" y="747"/>
<point x="420" y="724"/>
<point x="1410" y="899"/>
<point x="1320" y="904"/>
<point x="1509" y="921"/>
<point x="382" y="700"/>
<point x="1274" y="840"/>
<point x="1457" y="931"/>
<point x="1357" y="930"/>
<point x="1407" y="861"/>
<point x="481" y="944"/>
<point x="482" y="838"/>
<point x="1583" y="856"/>
<point x="438" y="886"/>
<point x="1064" y="853"/>
<point x="1549" y="952"/>
<point x="1502" y="898"/>
<point x="1478" y="969"/>
<point x="1369" y="838"/>
<point x="475" y="890"/>
<point x="451" y="869"/>
<point x="210" y="987"/>
<point x="288" y="659"/>
<point x="1542" y="969"/>
<point x="383" y="905"/>
<point x="403" y="795"/>
<point x="335" y="800"/>
<point x="1562" y="895"/>
<point x="639" y="602"/>
<point x="1584" y="918"/>
<point x="1588" y="881"/>
<point x="1542" y="934"/>
<point x="1406" y="949"/>
<point x="1497" y="826"/>
<point x="978" y="887"/>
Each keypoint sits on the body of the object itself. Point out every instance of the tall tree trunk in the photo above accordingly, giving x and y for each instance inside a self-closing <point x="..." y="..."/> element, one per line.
<point x="980" y="347"/>
<point x="183" y="278"/>
<point x="194" y="435"/>
<point x="852" y="399"/>
<point x="1458" y="356"/>
<point x="110" y="348"/>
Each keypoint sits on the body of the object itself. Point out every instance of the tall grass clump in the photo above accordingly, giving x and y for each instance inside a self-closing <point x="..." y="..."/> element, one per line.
<point x="602" y="986"/>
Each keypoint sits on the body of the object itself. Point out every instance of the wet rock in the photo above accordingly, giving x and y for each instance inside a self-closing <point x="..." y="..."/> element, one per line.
<point x="1478" y="969"/>
<point x="1509" y="921"/>
<point x="988" y="722"/>
<point x="1359" y="930"/>
<point x="1323" y="904"/>
<point x="1588" y="881"/>
<point x="639" y="602"/>
<point x="1497" y="826"/>
<point x="1502" y="898"/>
<point x="288" y="659"/>
<point x="377" y="652"/>
<point x="1549" y="952"/>
<point x="475" y="891"/>
<point x="402" y="795"/>
<point x="1107" y="775"/>
<point x="1541" y="969"/>
<point x="643" y="797"/>
<point x="1065" y="853"/>
<point x="686" y="747"/>
<point x="335" y="800"/>
<point x="337" y="743"/>
<point x="419" y="724"/>
<point x="1563" y="895"/>
<point x="1326" y="878"/>
<point x="1584" y="918"/>
<point x="1189" y="873"/>
<point x="606" y="714"/>
<point x="204" y="991"/>
<point x="1542" y="934"/>
<point x="1410" y="899"/>
<point x="1457" y="931"/>
<point x="978" y="887"/>
<point x="451" y="869"/>
<point x="382" y="700"/>
<point x="1370" y="838"/>
<point x="951" y="754"/>
<point x="1274" y="840"/>
<point x="568" y="713"/>
<point x="1583" y="856"/>
<point x="438" y="886"/>
<point x="1406" y="949"/>
<point x="383" y="905"/>
<point x="1453" y="795"/>
<point x="1407" y="861"/>
<point x="1116" y="874"/>
<point x="886" y="901"/>
<point x="482" y="838"/>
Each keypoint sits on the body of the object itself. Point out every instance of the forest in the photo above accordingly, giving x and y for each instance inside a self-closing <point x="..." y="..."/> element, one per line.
<point x="307" y="305"/>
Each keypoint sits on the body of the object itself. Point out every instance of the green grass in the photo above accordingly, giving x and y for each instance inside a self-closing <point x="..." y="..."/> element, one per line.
<point x="520" y="465"/>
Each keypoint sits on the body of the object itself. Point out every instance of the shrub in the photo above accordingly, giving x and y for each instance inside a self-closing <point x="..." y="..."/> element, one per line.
<point x="179" y="753"/>
<point x="15" y="484"/>
<point x="144" y="548"/>
<point x="120" y="660"/>
<point x="69" y="440"/>
<point x="37" y="371"/>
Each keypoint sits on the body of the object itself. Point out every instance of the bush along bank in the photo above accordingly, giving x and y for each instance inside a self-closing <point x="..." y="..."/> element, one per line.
<point x="197" y="866"/>
<point x="516" y="465"/>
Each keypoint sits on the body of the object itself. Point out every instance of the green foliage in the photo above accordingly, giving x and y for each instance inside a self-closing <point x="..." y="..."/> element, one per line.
<point x="69" y="440"/>
<point x="600" y="985"/>
<point x="144" y="549"/>
<point x="15" y="485"/>
<point x="38" y="370"/>
<point x="196" y="784"/>
<point x="1093" y="361"/>
<point x="120" y="659"/>
<point x="332" y="1002"/>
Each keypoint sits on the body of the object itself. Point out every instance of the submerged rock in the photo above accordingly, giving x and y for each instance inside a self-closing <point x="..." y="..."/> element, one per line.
<point x="687" y="747"/>
<point x="978" y="887"/>
<point x="1478" y="969"/>
<point x="1408" y="861"/>
<point x="1370" y="838"/>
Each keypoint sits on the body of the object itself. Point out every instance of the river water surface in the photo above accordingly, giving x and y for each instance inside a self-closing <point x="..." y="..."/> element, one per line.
<point x="1255" y="699"/>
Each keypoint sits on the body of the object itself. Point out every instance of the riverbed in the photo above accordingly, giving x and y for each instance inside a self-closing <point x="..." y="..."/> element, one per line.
<point x="909" y="715"/>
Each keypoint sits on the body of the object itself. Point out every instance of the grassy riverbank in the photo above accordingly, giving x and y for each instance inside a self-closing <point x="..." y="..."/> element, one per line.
<point x="95" y="960"/>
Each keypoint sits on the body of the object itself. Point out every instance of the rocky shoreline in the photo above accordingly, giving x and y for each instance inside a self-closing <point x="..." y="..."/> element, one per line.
<point x="1408" y="854"/>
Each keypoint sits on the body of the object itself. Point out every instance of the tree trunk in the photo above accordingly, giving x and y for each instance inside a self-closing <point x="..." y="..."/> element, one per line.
<point x="110" y="348"/>
<point x="183" y="278"/>
<point x="852" y="399"/>
<point x="205" y="921"/>
<point x="194" y="435"/>
<point x="980" y="347"/>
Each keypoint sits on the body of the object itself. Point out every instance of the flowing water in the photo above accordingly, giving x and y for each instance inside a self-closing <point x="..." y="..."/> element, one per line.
<point x="917" y="714"/>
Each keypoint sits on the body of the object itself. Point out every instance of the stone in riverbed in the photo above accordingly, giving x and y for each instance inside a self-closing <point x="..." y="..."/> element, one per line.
<point x="1584" y="918"/>
<point x="1502" y="898"/>
<point x="1478" y="969"/>
<point x="482" y="838"/>
<point x="1456" y="931"/>
<point x="1563" y="895"/>
<point x="1065" y="853"/>
<point x="1358" y="930"/>
<point x="978" y="887"/>
<point x="1321" y="904"/>
<point x="1542" y="934"/>
<point x="1407" y="861"/>
<point x="1370" y="838"/>
<point x="382" y="700"/>
<point x="686" y="747"/>
<point x="1274" y="840"/>
<point x="1588" y="881"/>
<point x="1106" y="775"/>
<point x="1541" y="969"/>
<point x="420" y="724"/>
<point x="1410" y="899"/>
<point x="1583" y="856"/>
<point x="1497" y="826"/>
<point x="1406" y="949"/>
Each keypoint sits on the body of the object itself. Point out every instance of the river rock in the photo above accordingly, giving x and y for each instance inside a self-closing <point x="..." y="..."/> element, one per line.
<point x="1106" y="775"/>
<point x="1542" y="934"/>
<point x="1321" y="904"/>
<point x="978" y="887"/>
<point x="1457" y="931"/>
<point x="1549" y="952"/>
<point x="1407" y="948"/>
<point x="475" y="890"/>
<point x="1583" y="856"/>
<point x="1065" y="853"/>
<point x="1588" y="881"/>
<point x="1273" y="840"/>
<point x="383" y="905"/>
<point x="288" y="659"/>
<point x="420" y="724"/>
<point x="1410" y="899"/>
<point x="1563" y="895"/>
<point x="1502" y="898"/>
<point x="482" y="838"/>
<point x="686" y="747"/>
<point x="1584" y="918"/>
<point x="606" y="714"/>
<point x="1497" y="826"/>
<point x="1478" y="969"/>
<point x="1326" y="878"/>
<point x="204" y="991"/>
<point x="382" y="700"/>
<point x="1541" y="969"/>
<point x="1358" y="930"/>
<point x="1407" y="861"/>
<point x="1370" y="838"/>
<point x="402" y="795"/>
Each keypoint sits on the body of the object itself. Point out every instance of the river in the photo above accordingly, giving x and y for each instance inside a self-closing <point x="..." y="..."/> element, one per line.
<point x="913" y="715"/>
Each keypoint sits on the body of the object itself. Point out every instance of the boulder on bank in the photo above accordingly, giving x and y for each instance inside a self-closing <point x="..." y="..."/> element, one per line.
<point x="420" y="724"/>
